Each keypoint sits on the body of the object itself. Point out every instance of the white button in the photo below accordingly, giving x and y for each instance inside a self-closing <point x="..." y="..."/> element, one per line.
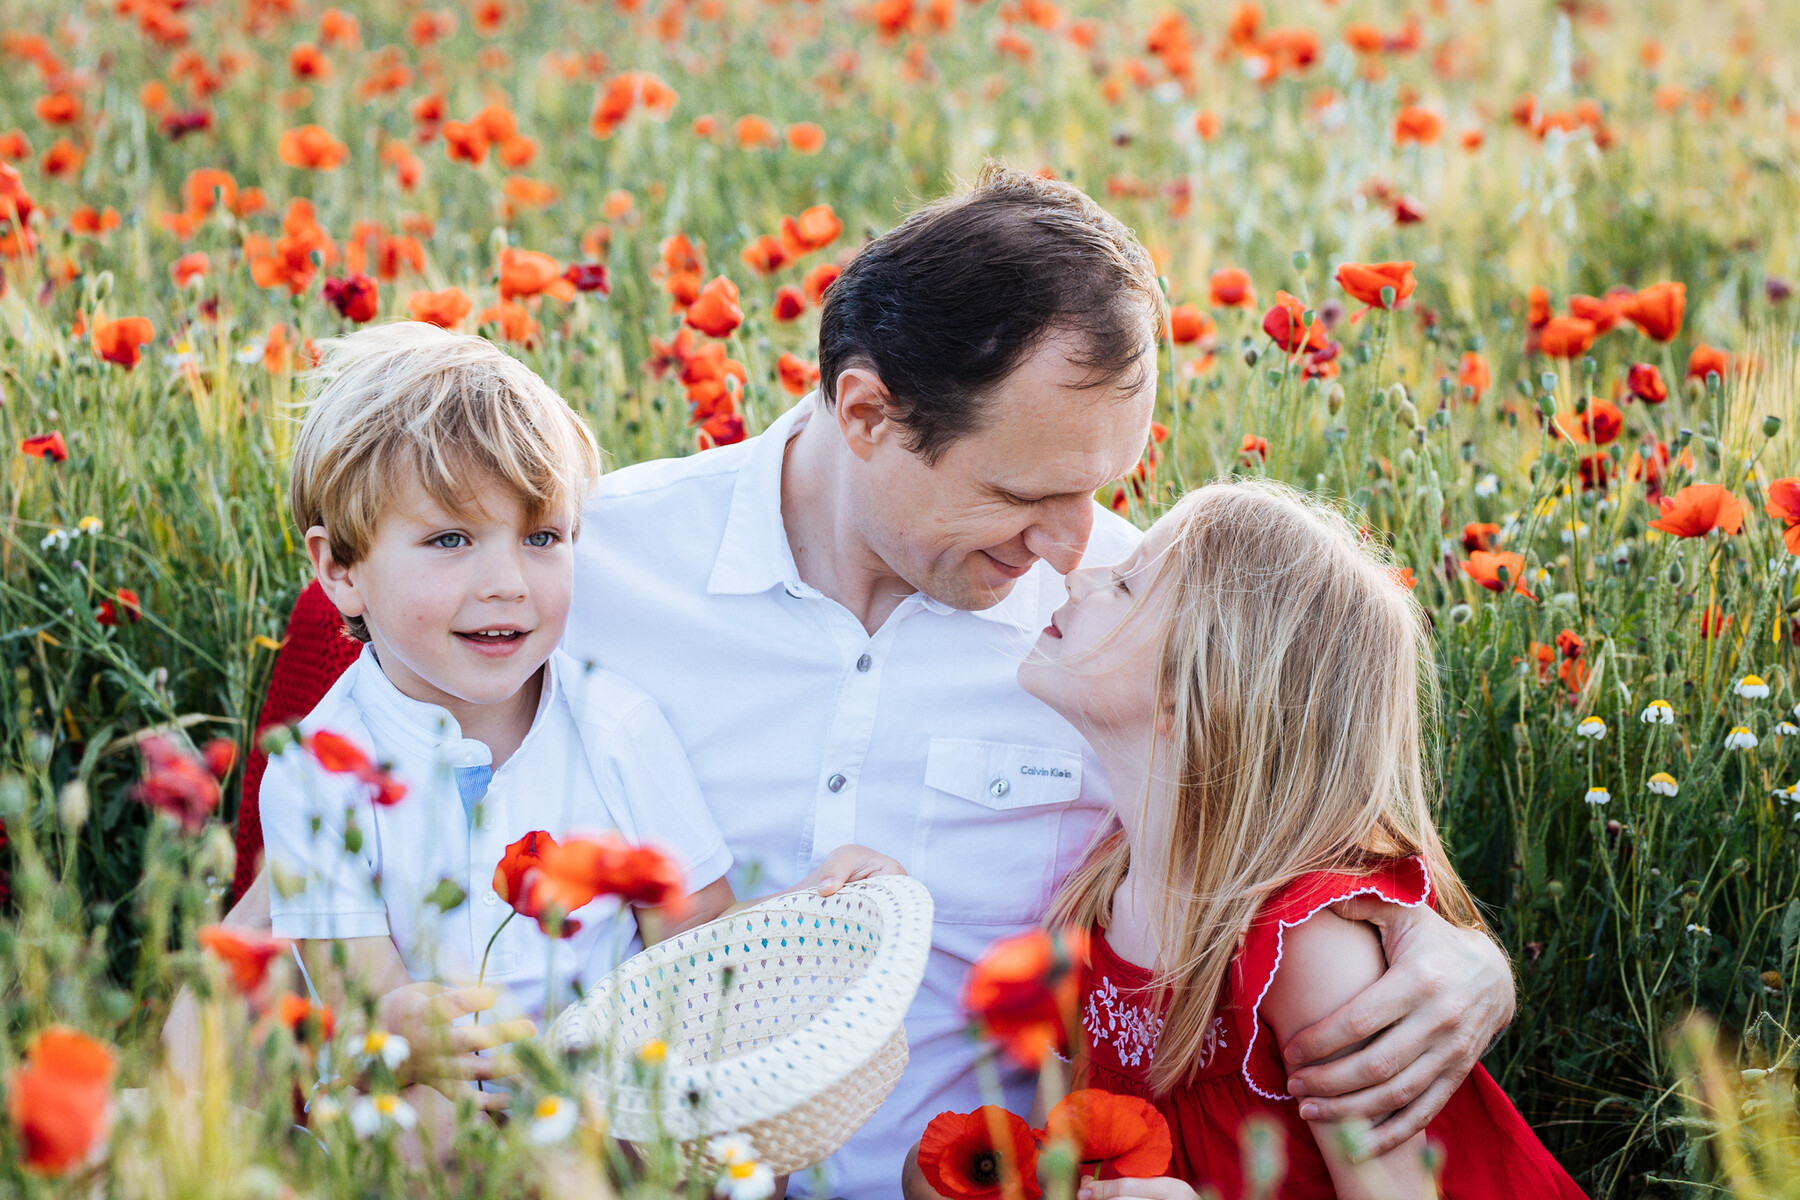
<point x="863" y="663"/>
<point x="491" y="898"/>
<point x="999" y="788"/>
<point x="836" y="783"/>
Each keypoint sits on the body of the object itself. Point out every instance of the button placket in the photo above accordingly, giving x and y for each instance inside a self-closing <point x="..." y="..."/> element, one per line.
<point x="853" y="724"/>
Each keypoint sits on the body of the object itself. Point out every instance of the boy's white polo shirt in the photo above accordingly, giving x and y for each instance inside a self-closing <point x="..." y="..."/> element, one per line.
<point x="807" y="732"/>
<point x="599" y="756"/>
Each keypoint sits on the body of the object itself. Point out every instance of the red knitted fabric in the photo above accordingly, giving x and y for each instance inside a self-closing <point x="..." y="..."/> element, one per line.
<point x="315" y="652"/>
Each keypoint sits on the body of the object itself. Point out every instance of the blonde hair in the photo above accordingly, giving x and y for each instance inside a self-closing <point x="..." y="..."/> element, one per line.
<point x="455" y="410"/>
<point x="1299" y="675"/>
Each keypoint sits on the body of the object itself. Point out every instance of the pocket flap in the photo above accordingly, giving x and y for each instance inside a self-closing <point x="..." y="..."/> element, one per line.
<point x="1002" y="775"/>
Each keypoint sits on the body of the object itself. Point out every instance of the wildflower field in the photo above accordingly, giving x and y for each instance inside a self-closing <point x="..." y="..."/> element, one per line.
<point x="1510" y="277"/>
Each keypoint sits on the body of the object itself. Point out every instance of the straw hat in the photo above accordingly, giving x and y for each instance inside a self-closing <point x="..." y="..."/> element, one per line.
<point x="784" y="1021"/>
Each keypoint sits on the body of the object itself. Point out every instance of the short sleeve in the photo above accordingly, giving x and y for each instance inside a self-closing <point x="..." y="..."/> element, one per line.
<point x="318" y="888"/>
<point x="650" y="788"/>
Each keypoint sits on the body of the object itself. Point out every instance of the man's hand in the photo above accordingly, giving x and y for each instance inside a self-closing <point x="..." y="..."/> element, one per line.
<point x="1164" y="1188"/>
<point x="443" y="1054"/>
<point x="847" y="864"/>
<point x="1446" y="994"/>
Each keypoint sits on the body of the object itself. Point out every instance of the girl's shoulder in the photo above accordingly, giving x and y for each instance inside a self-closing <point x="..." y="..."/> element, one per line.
<point x="1293" y="970"/>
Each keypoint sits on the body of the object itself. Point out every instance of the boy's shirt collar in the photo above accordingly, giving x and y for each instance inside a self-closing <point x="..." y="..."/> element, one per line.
<point x="399" y="722"/>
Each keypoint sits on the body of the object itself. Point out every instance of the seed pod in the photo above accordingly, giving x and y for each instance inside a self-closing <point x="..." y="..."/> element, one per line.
<point x="1547" y="405"/>
<point x="1771" y="426"/>
<point x="1675" y="574"/>
<point x="1409" y="416"/>
<point x="1301" y="258"/>
<point x="1334" y="398"/>
<point x="1250" y="356"/>
<point x="1461" y="614"/>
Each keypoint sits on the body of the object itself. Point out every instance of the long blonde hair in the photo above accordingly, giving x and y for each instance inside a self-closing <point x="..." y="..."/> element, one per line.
<point x="1299" y="676"/>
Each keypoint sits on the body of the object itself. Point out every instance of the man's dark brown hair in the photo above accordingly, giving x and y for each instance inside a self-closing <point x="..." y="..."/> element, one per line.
<point x="954" y="299"/>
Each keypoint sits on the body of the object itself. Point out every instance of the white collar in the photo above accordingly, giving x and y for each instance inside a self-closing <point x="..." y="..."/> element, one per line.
<point x="754" y="554"/>
<point x="396" y="719"/>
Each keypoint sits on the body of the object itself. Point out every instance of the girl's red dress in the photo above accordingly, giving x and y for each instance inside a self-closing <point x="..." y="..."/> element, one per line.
<point x="1488" y="1149"/>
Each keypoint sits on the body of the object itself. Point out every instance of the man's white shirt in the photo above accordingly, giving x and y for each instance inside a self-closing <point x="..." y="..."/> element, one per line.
<point x="806" y="732"/>
<point x="599" y="757"/>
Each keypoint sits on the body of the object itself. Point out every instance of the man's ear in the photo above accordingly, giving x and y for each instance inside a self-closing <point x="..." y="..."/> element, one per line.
<point x="334" y="577"/>
<point x="863" y="411"/>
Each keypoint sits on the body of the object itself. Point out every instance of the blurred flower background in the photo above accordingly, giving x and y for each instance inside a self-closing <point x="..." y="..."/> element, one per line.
<point x="1512" y="278"/>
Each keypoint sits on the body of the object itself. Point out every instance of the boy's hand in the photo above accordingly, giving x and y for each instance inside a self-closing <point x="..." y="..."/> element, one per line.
<point x="847" y="864"/>
<point x="442" y="1053"/>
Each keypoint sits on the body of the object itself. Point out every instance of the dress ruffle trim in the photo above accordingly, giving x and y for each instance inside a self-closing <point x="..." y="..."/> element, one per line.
<point x="1304" y="898"/>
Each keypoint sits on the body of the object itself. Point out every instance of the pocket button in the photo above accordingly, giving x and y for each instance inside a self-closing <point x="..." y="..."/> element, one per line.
<point x="999" y="788"/>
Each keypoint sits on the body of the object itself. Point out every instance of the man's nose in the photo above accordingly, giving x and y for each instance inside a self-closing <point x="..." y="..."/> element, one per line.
<point x="1060" y="536"/>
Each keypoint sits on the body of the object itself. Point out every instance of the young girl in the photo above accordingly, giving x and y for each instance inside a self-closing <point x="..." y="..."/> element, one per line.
<point x="1251" y="677"/>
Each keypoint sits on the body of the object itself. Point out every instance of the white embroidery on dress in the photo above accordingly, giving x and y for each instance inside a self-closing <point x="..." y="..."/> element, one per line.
<point x="1132" y="1029"/>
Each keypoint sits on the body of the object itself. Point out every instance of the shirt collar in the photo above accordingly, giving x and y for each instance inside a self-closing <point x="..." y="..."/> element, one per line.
<point x="399" y="721"/>
<point x="754" y="554"/>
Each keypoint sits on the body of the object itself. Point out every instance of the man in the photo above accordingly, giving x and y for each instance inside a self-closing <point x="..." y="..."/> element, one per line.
<point x="832" y="614"/>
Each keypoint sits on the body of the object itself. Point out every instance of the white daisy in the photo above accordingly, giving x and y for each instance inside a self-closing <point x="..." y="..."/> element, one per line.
<point x="382" y="1111"/>
<point x="390" y="1048"/>
<point x="1786" y="729"/>
<point x="746" y="1181"/>
<point x="1591" y="727"/>
<point x="1740" y="738"/>
<point x="1597" y="795"/>
<point x="1664" y="784"/>
<point x="552" y="1119"/>
<point x="1658" y="712"/>
<point x="1702" y="930"/>
<point x="1752" y="687"/>
<point x="1487" y="485"/>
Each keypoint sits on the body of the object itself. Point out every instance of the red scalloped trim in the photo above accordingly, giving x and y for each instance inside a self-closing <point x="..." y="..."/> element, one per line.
<point x="1281" y="927"/>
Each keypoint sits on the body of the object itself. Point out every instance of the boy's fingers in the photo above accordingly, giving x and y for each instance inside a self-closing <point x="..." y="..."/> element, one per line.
<point x="487" y="1101"/>
<point x="470" y="1066"/>
<point x="464" y="1039"/>
<point x="452" y="1003"/>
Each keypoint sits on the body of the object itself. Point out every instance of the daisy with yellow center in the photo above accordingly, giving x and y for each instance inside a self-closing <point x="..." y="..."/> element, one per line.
<point x="1597" y="795"/>
<point x="1658" y="712"/>
<point x="552" y="1119"/>
<point x="1740" y="738"/>
<point x="1752" y="687"/>
<point x="1664" y="784"/>
<point x="1591" y="727"/>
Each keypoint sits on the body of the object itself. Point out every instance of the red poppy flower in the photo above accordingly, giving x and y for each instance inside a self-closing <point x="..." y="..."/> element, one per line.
<point x="1600" y="423"/>
<point x="819" y="279"/>
<point x="1646" y="383"/>
<point x="306" y="61"/>
<point x="1486" y="568"/>
<point x="1656" y="310"/>
<point x="127" y="600"/>
<point x="246" y="953"/>
<point x="1254" y="447"/>
<point x="1537" y="308"/>
<point x="529" y="273"/>
<point x="1479" y="535"/>
<point x="589" y="277"/>
<point x="989" y="1154"/>
<point x="1418" y="125"/>
<point x="465" y="142"/>
<point x="121" y="341"/>
<point x="356" y="297"/>
<point x="311" y="1023"/>
<point x="515" y="882"/>
<point x="58" y="108"/>
<point x="1187" y="324"/>
<point x="715" y="310"/>
<point x="337" y="753"/>
<point x="188" y="268"/>
<point x="804" y="137"/>
<point x="1230" y="287"/>
<point x="60" y="1100"/>
<point x="311" y="148"/>
<point x="1712" y="621"/>
<point x="1473" y="375"/>
<point x="1365" y="281"/>
<point x="1784" y="505"/>
<point x="1602" y="314"/>
<point x="445" y="309"/>
<point x="582" y="868"/>
<point x="1595" y="471"/>
<point x="1570" y="645"/>
<point x="1566" y="337"/>
<point x="721" y="429"/>
<point x="765" y="255"/>
<point x="790" y="302"/>
<point x="177" y="783"/>
<point x="1022" y="993"/>
<point x="1117" y="1137"/>
<point x="48" y="446"/>
<point x="797" y="375"/>
<point x="1698" y="509"/>
<point x="1708" y="360"/>
<point x="1286" y="327"/>
<point x="220" y="754"/>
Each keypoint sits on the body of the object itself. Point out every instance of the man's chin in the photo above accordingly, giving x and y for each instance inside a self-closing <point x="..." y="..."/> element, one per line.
<point x="971" y="595"/>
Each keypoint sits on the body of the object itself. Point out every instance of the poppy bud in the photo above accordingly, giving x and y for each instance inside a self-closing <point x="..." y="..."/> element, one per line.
<point x="1524" y="386"/>
<point x="1301" y="258"/>
<point x="1408" y="460"/>
<point x="1548" y="381"/>
<point x="1675" y="574"/>
<point x="1250" y="356"/>
<point x="1334" y="398"/>
<point x="1547" y="405"/>
<point x="353" y="840"/>
<point x="103" y="286"/>
<point x="1378" y="399"/>
<point x="1771" y="426"/>
<point x="1409" y="416"/>
<point x="1461" y="614"/>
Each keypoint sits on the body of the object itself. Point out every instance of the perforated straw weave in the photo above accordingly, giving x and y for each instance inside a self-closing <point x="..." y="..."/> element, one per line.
<point x="785" y="1022"/>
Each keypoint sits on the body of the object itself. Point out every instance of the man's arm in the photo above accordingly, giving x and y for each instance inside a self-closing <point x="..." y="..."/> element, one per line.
<point x="1447" y="993"/>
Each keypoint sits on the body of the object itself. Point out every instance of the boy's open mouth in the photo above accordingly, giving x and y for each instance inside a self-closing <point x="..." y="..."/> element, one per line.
<point x="496" y="636"/>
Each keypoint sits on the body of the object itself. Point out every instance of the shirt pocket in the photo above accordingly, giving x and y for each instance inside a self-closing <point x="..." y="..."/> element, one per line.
<point x="993" y="820"/>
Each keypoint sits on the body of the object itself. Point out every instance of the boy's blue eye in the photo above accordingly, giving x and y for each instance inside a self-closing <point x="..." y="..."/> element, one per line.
<point x="450" y="541"/>
<point x="540" y="539"/>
